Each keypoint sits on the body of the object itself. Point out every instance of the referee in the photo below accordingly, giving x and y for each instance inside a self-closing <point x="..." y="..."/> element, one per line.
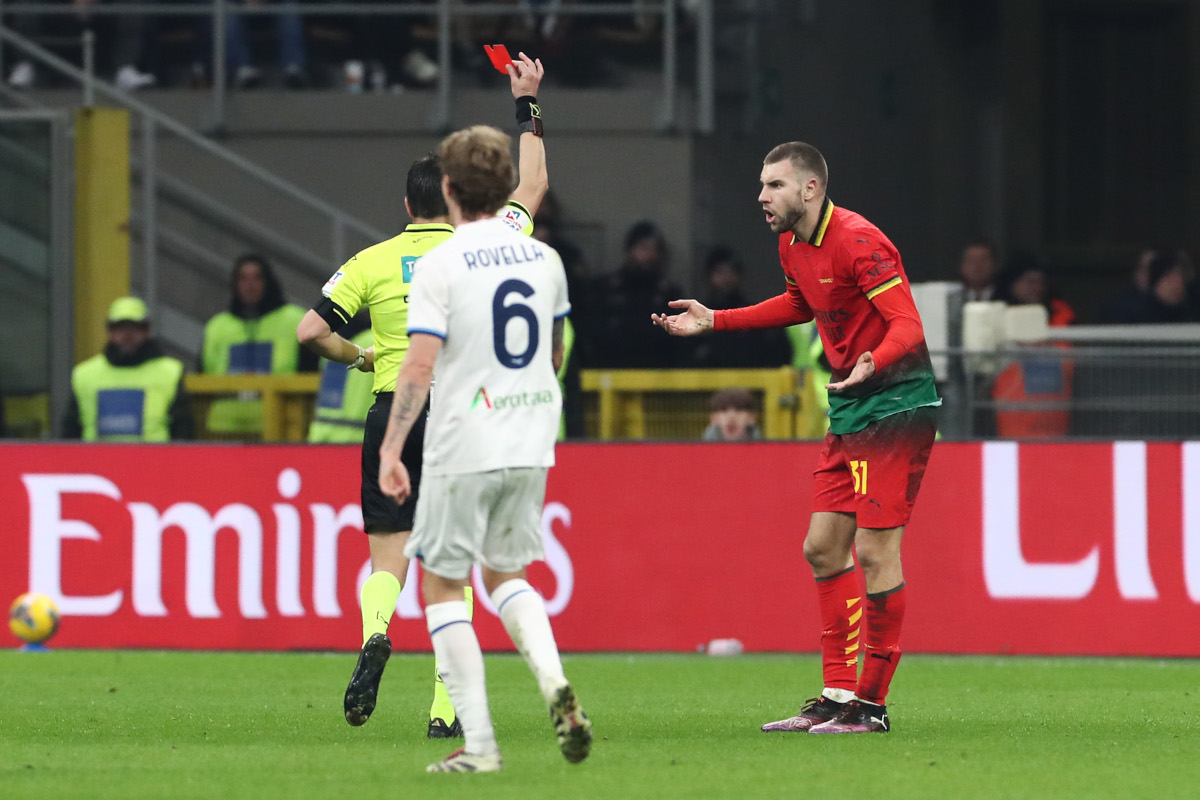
<point x="378" y="278"/>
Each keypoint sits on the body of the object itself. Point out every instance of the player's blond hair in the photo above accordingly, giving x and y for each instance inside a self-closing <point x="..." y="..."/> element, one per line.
<point x="480" y="169"/>
<point x="804" y="158"/>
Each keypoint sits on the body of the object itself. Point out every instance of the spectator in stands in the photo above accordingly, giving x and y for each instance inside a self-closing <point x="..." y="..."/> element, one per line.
<point x="623" y="302"/>
<point x="1045" y="384"/>
<point x="809" y="359"/>
<point x="1131" y="298"/>
<point x="345" y="395"/>
<point x="131" y="54"/>
<point x="256" y="335"/>
<point x="384" y="49"/>
<point x="763" y="348"/>
<point x="1168" y="298"/>
<point x="732" y="417"/>
<point x="132" y="391"/>
<point x="547" y="227"/>
<point x="23" y="74"/>
<point x="977" y="268"/>
<point x="289" y="33"/>
<point x="1026" y="282"/>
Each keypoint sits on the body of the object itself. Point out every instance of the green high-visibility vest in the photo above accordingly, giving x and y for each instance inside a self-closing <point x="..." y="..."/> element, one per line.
<point x="343" y="400"/>
<point x="126" y="404"/>
<point x="568" y="345"/>
<point x="236" y="346"/>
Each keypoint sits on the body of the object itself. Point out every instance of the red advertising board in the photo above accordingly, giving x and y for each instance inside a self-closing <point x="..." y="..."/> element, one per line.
<point x="1032" y="548"/>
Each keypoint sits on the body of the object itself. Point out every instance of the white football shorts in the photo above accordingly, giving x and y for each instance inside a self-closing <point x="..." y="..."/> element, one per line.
<point x="490" y="518"/>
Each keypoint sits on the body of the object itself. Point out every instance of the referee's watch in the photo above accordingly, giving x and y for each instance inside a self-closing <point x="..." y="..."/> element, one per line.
<point x="529" y="115"/>
<point x="358" y="362"/>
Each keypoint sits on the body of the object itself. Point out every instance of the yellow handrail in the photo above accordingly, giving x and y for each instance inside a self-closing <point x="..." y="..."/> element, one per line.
<point x="622" y="410"/>
<point x="629" y="404"/>
<point x="287" y="399"/>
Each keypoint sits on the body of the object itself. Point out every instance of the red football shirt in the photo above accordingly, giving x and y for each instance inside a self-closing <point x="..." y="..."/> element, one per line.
<point x="846" y="263"/>
<point x="849" y="278"/>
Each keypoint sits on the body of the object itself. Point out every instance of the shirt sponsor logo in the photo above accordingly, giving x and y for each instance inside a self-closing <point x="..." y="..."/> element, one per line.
<point x="408" y="264"/>
<point x="831" y="317"/>
<point x="481" y="395"/>
<point x="506" y="254"/>
<point x="516" y="400"/>
<point x="880" y="267"/>
<point x="514" y="218"/>
<point x="327" y="289"/>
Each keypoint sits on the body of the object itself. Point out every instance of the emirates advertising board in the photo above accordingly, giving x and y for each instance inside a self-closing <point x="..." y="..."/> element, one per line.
<point x="1013" y="548"/>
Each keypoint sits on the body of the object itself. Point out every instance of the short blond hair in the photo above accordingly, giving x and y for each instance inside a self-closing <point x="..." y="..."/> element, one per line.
<point x="480" y="169"/>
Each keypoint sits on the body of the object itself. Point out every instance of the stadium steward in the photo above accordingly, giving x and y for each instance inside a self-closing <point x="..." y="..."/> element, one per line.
<point x="256" y="335"/>
<point x="133" y="391"/>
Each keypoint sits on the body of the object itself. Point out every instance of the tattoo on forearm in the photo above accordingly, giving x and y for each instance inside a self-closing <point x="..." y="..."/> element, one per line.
<point x="407" y="403"/>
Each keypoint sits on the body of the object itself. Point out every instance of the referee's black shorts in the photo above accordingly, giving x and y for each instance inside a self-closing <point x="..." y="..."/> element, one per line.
<point x="381" y="514"/>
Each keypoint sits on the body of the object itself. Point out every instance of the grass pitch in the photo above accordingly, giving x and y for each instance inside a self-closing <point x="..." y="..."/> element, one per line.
<point x="128" y="725"/>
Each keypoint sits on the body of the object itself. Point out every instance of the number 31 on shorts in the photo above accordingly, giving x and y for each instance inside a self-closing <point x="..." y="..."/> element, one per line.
<point x="859" y="470"/>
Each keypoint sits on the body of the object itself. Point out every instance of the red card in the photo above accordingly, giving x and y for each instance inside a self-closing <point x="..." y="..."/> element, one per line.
<point x="499" y="56"/>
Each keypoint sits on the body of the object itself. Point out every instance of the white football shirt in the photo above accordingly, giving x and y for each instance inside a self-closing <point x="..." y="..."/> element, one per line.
<point x="492" y="294"/>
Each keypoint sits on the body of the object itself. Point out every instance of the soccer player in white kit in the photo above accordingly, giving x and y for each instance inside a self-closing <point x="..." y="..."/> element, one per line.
<point x="486" y="314"/>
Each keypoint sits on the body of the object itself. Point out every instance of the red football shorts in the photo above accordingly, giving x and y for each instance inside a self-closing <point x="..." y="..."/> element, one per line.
<point x="876" y="473"/>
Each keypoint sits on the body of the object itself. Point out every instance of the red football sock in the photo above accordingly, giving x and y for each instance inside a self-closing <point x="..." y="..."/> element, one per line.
<point x="840" y="600"/>
<point x="885" y="613"/>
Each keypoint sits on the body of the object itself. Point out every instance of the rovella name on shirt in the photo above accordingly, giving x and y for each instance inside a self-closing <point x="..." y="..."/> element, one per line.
<point x="505" y="254"/>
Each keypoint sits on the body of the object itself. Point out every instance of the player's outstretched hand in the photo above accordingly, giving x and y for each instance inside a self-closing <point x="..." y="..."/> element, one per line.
<point x="525" y="75"/>
<point x="393" y="475"/>
<point x="696" y="319"/>
<point x="863" y="369"/>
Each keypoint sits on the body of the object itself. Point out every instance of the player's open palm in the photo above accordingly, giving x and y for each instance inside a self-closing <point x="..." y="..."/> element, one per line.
<point x="863" y="369"/>
<point x="393" y="476"/>
<point x="695" y="319"/>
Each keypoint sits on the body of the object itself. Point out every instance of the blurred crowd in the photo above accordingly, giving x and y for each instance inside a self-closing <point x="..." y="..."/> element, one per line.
<point x="1162" y="286"/>
<point x="256" y="334"/>
<point x="278" y="46"/>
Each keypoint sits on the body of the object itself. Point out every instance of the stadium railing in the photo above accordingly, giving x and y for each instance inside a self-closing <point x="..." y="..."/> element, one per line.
<point x="159" y="189"/>
<point x="619" y="404"/>
<point x="287" y="402"/>
<point x="446" y="13"/>
<point x="1048" y="391"/>
<point x="673" y="404"/>
<point x="1084" y="390"/>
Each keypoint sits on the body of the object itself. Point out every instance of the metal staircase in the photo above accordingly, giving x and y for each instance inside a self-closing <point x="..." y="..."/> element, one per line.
<point x="185" y="237"/>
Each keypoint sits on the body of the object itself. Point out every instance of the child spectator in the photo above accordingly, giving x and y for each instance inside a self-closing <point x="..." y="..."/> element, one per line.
<point x="733" y="417"/>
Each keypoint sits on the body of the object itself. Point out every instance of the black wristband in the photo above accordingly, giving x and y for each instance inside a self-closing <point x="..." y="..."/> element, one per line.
<point x="529" y="115"/>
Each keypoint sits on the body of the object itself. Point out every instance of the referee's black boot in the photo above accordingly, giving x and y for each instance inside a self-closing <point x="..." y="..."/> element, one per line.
<point x="438" y="729"/>
<point x="364" y="684"/>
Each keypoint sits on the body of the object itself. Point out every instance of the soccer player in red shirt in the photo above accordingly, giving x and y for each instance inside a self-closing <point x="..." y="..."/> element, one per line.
<point x="842" y="271"/>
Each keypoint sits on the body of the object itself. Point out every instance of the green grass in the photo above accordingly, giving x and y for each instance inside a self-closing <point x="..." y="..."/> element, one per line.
<point x="200" y="725"/>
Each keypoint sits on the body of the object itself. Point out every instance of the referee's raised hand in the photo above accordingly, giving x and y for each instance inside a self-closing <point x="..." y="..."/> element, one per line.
<point x="525" y="75"/>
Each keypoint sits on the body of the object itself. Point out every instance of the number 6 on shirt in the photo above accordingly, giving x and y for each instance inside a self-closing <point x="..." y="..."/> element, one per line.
<point x="503" y="313"/>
